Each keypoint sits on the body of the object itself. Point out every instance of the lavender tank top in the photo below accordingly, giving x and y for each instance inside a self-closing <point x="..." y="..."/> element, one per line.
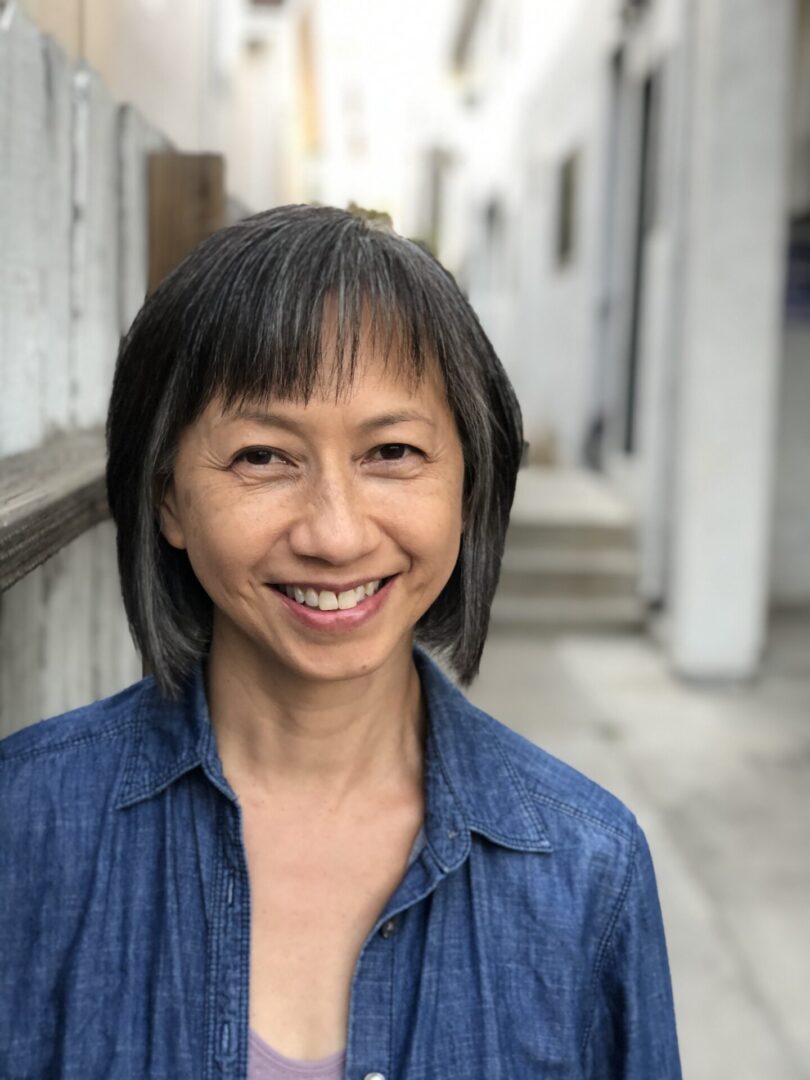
<point x="265" y="1063"/>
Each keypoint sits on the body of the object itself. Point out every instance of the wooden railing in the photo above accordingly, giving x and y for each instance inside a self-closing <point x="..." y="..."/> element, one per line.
<point x="48" y="497"/>
<point x="99" y="210"/>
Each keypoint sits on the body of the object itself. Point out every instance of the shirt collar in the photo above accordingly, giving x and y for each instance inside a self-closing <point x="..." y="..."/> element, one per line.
<point x="471" y="779"/>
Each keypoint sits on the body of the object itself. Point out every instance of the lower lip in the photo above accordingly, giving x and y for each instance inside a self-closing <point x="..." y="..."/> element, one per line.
<point x="336" y="621"/>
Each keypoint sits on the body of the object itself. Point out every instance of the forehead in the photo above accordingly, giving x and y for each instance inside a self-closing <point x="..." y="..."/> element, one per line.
<point x="378" y="385"/>
<point x="378" y="353"/>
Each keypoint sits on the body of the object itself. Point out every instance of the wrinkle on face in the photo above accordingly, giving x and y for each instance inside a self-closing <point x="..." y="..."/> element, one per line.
<point x="330" y="512"/>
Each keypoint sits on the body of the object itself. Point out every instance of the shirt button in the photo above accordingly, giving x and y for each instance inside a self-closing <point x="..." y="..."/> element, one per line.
<point x="386" y="930"/>
<point x="374" y="1076"/>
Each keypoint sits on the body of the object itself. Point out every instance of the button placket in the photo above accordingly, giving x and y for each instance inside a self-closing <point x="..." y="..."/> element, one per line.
<point x="370" y="1032"/>
<point x="229" y="966"/>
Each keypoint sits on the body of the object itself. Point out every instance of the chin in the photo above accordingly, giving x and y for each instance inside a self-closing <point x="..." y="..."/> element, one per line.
<point x="340" y="661"/>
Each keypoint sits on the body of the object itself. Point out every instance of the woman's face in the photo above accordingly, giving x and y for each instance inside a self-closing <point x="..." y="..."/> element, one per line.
<point x="322" y="532"/>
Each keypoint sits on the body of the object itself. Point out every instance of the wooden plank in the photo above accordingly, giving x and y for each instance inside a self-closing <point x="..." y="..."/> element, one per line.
<point x="136" y="141"/>
<point x="49" y="496"/>
<point x="64" y="638"/>
<point x="94" y="257"/>
<point x="21" y="667"/>
<point x="55" y="230"/>
<point x="33" y="234"/>
<point x="186" y="204"/>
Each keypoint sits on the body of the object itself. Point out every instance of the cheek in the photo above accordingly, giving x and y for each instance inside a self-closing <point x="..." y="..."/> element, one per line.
<point x="226" y="539"/>
<point x="430" y="528"/>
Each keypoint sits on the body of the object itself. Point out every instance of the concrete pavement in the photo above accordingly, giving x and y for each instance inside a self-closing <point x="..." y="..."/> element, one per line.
<point x="719" y="778"/>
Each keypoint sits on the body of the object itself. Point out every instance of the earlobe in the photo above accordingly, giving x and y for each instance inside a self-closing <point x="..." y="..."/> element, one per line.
<point x="170" y="525"/>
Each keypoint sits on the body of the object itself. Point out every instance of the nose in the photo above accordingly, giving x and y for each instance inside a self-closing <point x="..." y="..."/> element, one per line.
<point x="334" y="523"/>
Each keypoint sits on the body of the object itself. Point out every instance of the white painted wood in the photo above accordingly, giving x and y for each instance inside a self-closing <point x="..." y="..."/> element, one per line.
<point x="54" y="247"/>
<point x="23" y="126"/>
<point x="63" y="637"/>
<point x="21" y="670"/>
<point x="136" y="140"/>
<point x="68" y="640"/>
<point x="117" y="662"/>
<point x="73" y="217"/>
<point x="94" y="336"/>
<point x="34" y="236"/>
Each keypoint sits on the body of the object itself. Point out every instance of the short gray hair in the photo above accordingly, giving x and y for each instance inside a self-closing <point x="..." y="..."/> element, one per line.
<point x="242" y="317"/>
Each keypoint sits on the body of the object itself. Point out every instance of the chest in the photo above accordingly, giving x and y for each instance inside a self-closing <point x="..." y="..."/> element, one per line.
<point x="148" y="967"/>
<point x="316" y="892"/>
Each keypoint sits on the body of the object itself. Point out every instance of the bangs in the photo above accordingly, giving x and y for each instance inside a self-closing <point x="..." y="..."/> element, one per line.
<point x="282" y="305"/>
<point x="280" y="311"/>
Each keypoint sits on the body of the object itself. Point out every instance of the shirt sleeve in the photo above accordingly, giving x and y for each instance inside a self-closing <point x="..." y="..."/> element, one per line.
<point x="633" y="1035"/>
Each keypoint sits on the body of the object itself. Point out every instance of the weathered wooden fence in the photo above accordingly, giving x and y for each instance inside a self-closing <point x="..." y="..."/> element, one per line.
<point x="75" y="202"/>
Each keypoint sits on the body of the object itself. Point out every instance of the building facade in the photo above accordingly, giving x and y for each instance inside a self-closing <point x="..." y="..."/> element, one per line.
<point x="627" y="202"/>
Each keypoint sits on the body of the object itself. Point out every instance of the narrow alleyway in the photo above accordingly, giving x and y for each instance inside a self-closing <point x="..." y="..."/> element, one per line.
<point x="719" y="778"/>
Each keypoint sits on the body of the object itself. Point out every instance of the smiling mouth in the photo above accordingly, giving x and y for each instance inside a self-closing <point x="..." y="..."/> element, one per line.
<point x="327" y="600"/>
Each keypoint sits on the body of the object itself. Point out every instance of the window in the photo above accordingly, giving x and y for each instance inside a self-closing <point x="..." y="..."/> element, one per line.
<point x="567" y="196"/>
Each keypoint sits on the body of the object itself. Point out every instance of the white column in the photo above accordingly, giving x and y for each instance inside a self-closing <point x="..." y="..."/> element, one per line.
<point x="728" y="385"/>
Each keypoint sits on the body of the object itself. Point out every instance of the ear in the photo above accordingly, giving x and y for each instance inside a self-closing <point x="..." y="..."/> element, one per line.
<point x="170" y="524"/>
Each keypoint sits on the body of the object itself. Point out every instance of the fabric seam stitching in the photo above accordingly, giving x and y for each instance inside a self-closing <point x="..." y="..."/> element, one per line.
<point x="607" y="939"/>
<point x="575" y="811"/>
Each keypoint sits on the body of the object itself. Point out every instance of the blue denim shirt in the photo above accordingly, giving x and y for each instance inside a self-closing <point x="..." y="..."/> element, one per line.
<point x="525" y="940"/>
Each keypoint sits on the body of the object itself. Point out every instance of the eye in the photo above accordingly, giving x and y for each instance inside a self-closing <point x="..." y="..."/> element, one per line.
<point x="396" y="451"/>
<point x="260" y="456"/>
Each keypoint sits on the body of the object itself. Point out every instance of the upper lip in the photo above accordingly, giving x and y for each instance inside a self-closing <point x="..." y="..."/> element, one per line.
<point x="332" y="586"/>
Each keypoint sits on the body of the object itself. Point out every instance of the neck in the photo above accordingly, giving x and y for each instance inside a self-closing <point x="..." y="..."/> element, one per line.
<point x="280" y="735"/>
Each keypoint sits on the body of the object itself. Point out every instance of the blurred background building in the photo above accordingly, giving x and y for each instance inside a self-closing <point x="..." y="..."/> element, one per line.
<point x="622" y="187"/>
<point x="625" y="190"/>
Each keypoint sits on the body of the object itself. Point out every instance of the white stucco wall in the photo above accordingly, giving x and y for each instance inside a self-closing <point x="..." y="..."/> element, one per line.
<point x="554" y="366"/>
<point x="728" y="406"/>
<point x="537" y="101"/>
<point x="710" y="438"/>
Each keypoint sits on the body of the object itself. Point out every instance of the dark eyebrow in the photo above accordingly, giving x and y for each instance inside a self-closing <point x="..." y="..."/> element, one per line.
<point x="402" y="416"/>
<point x="267" y="419"/>
<point x="270" y="419"/>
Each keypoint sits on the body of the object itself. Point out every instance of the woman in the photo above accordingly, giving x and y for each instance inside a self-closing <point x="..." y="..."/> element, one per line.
<point x="295" y="848"/>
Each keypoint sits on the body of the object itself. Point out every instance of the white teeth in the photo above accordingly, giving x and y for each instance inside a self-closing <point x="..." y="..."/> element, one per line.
<point x="327" y="600"/>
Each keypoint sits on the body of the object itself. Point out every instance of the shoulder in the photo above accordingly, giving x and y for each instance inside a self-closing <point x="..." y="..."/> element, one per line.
<point x="600" y="871"/>
<point x="81" y="739"/>
<point x="106" y="718"/>
<point x="562" y="794"/>
<point x="548" y="789"/>
<point x="596" y="869"/>
<point x="58" y="783"/>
